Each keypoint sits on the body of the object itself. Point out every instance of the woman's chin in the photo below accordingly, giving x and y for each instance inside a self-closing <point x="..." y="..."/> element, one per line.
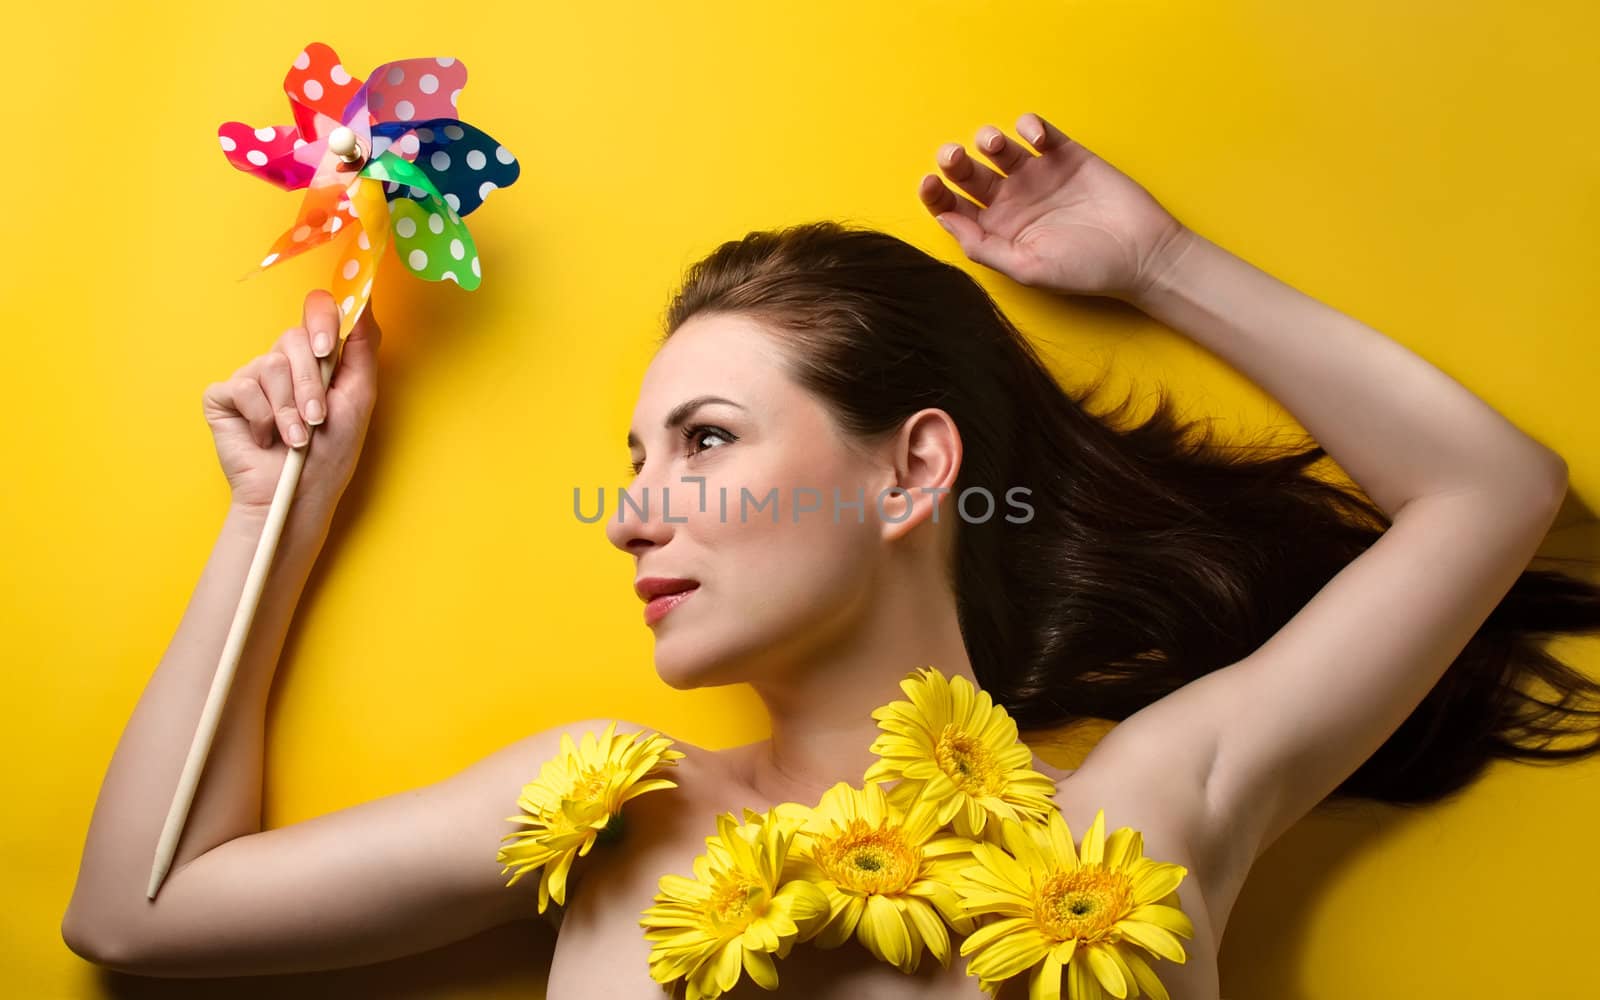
<point x="686" y="674"/>
<point x="681" y="675"/>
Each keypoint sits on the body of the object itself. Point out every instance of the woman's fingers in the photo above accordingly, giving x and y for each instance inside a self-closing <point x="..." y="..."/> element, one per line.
<point x="277" y="381"/>
<point x="1003" y="151"/>
<point x="1041" y="135"/>
<point x="968" y="174"/>
<point x="307" y="375"/>
<point x="252" y="405"/>
<point x="940" y="199"/>
<point x="979" y="181"/>
<point x="240" y="396"/>
<point x="320" y="321"/>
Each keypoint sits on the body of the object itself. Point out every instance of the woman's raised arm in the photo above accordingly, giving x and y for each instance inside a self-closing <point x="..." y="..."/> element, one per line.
<point x="1469" y="494"/>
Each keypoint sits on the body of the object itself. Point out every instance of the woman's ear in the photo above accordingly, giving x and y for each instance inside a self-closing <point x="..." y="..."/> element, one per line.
<point x="925" y="459"/>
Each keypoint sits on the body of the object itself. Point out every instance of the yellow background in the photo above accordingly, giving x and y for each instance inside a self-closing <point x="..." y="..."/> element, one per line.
<point x="1430" y="168"/>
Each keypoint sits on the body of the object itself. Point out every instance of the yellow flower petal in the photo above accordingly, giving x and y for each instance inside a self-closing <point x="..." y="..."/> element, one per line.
<point x="1060" y="835"/>
<point x="1009" y="954"/>
<point x="988" y="933"/>
<point x="883" y="931"/>
<point x="1146" y="977"/>
<point x="1107" y="971"/>
<point x="1123" y="846"/>
<point x="728" y="964"/>
<point x="1081" y="983"/>
<point x="1156" y="880"/>
<point x="1045" y="983"/>
<point x="1093" y="848"/>
<point x="762" y="969"/>
<point x="1018" y="839"/>
<point x="1154" y="938"/>
<point x="927" y="927"/>
<point x="1165" y="917"/>
<point x="842" y="925"/>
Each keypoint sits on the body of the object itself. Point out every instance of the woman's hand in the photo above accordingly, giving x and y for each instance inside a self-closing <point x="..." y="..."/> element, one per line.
<point x="1062" y="218"/>
<point x="270" y="404"/>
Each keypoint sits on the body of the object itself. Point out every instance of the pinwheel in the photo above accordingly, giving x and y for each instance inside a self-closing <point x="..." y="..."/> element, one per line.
<point x="385" y="156"/>
<point x="381" y="160"/>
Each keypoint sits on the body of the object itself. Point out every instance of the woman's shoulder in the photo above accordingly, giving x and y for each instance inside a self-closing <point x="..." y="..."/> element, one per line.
<point x="689" y="760"/>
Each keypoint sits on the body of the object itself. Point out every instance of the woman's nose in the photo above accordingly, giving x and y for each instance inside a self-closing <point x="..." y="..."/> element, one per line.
<point x="637" y="516"/>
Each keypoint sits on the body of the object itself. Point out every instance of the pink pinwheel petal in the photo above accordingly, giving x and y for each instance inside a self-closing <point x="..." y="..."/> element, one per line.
<point x="415" y="89"/>
<point x="319" y="87"/>
<point x="268" y="153"/>
<point x="312" y="154"/>
<point x="406" y="145"/>
<point x="360" y="254"/>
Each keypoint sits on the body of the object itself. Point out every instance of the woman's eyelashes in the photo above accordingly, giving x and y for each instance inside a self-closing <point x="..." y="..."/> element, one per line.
<point x="692" y="434"/>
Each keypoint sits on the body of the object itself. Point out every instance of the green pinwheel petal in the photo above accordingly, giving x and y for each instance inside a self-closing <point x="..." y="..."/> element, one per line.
<point x="429" y="237"/>
<point x="433" y="242"/>
<point x="387" y="166"/>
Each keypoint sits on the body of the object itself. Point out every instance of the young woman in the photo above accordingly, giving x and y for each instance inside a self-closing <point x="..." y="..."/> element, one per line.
<point x="1264" y="637"/>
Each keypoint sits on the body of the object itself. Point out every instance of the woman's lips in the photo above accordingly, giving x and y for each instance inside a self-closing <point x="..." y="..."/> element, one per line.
<point x="659" y="606"/>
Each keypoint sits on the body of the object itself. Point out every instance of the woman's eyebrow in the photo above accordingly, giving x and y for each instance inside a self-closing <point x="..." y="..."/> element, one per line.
<point x="681" y="412"/>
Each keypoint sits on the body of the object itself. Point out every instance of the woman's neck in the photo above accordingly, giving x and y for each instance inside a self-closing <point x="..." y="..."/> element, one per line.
<point x="821" y="713"/>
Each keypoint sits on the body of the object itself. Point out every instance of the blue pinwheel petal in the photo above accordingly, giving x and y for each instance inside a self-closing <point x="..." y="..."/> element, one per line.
<point x="464" y="162"/>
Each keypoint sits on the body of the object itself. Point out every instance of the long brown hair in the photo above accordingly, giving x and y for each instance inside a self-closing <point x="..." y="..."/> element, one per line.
<point x="1154" y="555"/>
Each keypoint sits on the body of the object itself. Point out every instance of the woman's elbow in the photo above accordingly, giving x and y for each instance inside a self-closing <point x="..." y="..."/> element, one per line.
<point x="100" y="945"/>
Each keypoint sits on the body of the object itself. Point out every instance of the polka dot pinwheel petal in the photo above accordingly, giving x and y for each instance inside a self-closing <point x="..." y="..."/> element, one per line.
<point x="320" y="89"/>
<point x="413" y="89"/>
<point x="358" y="261"/>
<point x="323" y="214"/>
<point x="434" y="244"/>
<point x="464" y="162"/>
<point x="429" y="237"/>
<point x="268" y="152"/>
<point x="404" y="111"/>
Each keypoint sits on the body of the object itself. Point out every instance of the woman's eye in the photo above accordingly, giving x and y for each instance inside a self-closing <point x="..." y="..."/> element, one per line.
<point x="696" y="432"/>
<point x="694" y="435"/>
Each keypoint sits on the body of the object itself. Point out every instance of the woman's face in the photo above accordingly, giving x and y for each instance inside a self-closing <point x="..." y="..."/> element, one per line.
<point x="771" y="596"/>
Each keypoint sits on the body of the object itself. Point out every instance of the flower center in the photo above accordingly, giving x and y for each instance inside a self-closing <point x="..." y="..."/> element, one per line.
<point x="968" y="762"/>
<point x="869" y="860"/>
<point x="737" y="899"/>
<point x="1083" y="903"/>
<point x="591" y="782"/>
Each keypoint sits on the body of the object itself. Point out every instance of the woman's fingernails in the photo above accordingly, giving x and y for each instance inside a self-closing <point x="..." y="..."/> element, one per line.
<point x="314" y="411"/>
<point x="322" y="344"/>
<point x="297" y="435"/>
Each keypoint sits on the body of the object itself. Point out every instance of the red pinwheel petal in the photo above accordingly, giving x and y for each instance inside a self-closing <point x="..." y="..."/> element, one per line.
<point x="414" y="89"/>
<point x="266" y="152"/>
<point x="318" y="85"/>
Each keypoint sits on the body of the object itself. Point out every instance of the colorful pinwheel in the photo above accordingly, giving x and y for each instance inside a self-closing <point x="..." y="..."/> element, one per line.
<point x="413" y="169"/>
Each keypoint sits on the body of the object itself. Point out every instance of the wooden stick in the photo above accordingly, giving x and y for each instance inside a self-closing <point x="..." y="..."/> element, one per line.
<point x="254" y="583"/>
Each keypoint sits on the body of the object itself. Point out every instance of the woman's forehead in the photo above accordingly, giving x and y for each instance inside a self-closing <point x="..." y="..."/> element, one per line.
<point x="717" y="354"/>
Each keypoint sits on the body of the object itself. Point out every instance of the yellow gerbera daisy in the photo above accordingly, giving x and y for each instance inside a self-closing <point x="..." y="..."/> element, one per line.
<point x="887" y="875"/>
<point x="577" y="800"/>
<point x="736" y="912"/>
<point x="950" y="745"/>
<point x="1083" y="913"/>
